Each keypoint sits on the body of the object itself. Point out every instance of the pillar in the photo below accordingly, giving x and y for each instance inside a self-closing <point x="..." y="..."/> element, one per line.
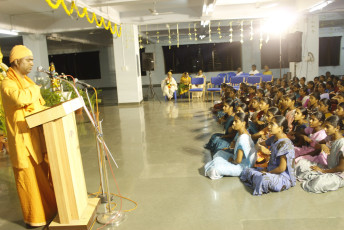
<point x="37" y="43"/>
<point x="309" y="26"/>
<point x="127" y="65"/>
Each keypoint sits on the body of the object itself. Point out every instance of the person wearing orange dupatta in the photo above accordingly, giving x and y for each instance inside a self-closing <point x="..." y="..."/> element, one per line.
<point x="21" y="97"/>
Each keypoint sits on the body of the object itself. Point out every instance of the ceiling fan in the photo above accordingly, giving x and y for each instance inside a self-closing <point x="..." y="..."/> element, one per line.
<point x="154" y="12"/>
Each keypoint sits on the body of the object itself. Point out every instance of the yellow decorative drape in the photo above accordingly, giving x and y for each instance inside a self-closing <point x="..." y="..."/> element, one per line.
<point x="84" y="13"/>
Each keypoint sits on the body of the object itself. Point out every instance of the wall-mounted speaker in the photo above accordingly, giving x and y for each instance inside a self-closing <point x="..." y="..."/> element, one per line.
<point x="147" y="61"/>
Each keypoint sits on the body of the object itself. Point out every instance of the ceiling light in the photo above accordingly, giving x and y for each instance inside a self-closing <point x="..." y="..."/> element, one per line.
<point x="204" y="8"/>
<point x="279" y="22"/>
<point x="8" y="32"/>
<point x="320" y="5"/>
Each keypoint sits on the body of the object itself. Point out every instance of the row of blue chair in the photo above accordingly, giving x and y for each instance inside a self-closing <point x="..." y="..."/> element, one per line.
<point x="215" y="83"/>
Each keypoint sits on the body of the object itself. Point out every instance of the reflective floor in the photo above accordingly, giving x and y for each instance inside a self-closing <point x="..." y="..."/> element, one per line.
<point x="158" y="148"/>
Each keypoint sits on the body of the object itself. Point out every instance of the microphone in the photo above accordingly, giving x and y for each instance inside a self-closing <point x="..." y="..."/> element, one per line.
<point x="82" y="83"/>
<point x="42" y="70"/>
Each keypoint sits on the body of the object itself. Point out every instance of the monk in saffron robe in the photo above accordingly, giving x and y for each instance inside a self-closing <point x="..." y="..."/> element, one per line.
<point x="21" y="97"/>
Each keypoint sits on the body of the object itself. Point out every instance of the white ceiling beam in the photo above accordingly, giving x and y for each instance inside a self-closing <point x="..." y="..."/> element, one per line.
<point x="108" y="13"/>
<point x="76" y="40"/>
<point x="111" y="3"/>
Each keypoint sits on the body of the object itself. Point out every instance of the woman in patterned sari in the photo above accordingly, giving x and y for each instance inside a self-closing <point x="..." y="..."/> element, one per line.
<point x="185" y="81"/>
<point x="318" y="178"/>
<point x="279" y="175"/>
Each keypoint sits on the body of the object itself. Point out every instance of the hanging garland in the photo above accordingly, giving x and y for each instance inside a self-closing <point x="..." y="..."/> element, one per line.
<point x="231" y="32"/>
<point x="147" y="42"/>
<point x="195" y="30"/>
<point x="157" y="34"/>
<point x="190" y="35"/>
<point x="209" y="31"/>
<point x="84" y="13"/>
<point x="177" y="36"/>
<point x="169" y="36"/>
<point x="219" y="30"/>
<point x="140" y="38"/>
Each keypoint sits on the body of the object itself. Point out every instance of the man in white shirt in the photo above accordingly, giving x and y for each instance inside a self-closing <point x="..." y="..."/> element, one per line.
<point x="254" y="70"/>
<point x="239" y="71"/>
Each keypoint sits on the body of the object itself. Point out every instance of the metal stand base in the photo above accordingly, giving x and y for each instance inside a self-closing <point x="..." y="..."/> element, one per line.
<point x="150" y="91"/>
<point x="112" y="219"/>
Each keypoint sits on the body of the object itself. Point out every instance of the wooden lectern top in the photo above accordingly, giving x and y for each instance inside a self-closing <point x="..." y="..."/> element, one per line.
<point x="54" y="112"/>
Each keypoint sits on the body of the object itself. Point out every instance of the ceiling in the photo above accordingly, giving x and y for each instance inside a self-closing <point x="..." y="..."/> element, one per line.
<point x="35" y="16"/>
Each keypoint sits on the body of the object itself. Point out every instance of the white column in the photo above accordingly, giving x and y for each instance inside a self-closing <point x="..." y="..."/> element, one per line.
<point x="251" y="55"/>
<point x="309" y="26"/>
<point x="37" y="43"/>
<point x="127" y="64"/>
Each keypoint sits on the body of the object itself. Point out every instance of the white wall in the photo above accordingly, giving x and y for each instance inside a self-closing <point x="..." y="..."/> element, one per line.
<point x="332" y="32"/>
<point x="107" y="65"/>
<point x="38" y="45"/>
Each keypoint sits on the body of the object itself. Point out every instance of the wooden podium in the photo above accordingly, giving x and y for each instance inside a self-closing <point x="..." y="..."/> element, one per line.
<point x="75" y="209"/>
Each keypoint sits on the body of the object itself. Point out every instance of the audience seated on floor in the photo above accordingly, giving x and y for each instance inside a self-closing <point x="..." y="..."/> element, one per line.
<point x="295" y="131"/>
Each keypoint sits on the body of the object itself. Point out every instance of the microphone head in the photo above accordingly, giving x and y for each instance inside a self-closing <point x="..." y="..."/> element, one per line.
<point x="40" y="68"/>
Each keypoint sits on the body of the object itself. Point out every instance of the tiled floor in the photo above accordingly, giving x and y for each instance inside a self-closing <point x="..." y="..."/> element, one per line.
<point x="158" y="148"/>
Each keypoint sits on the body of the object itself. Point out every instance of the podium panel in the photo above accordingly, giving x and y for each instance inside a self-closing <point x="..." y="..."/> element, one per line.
<point x="66" y="167"/>
<point x="75" y="209"/>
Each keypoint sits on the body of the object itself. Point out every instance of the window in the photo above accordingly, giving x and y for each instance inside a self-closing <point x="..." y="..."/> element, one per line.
<point x="83" y="66"/>
<point x="329" y="51"/>
<point x="208" y="57"/>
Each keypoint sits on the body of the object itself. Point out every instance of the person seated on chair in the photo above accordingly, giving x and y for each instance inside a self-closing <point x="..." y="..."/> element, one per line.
<point x="239" y="71"/>
<point x="267" y="70"/>
<point x="199" y="75"/>
<point x="169" y="86"/>
<point x="185" y="81"/>
<point x="254" y="70"/>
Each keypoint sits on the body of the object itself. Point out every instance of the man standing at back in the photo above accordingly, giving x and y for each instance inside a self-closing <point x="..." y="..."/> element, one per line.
<point x="21" y="97"/>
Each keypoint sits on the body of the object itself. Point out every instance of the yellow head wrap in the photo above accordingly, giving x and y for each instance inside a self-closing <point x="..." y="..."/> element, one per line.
<point x="18" y="52"/>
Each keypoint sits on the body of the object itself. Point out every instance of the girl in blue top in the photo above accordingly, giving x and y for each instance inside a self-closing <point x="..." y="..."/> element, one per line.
<point x="227" y="163"/>
<point x="220" y="141"/>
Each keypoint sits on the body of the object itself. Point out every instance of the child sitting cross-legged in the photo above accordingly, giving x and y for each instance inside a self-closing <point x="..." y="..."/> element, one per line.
<point x="279" y="175"/>
<point x="232" y="162"/>
<point x="318" y="178"/>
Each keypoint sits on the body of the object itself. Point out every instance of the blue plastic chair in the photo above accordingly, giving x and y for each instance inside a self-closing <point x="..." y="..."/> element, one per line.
<point x="254" y="80"/>
<point x="215" y="86"/>
<point x="174" y="95"/>
<point x="267" y="78"/>
<point x="197" y="81"/>
<point x="228" y="79"/>
<point x="236" y="81"/>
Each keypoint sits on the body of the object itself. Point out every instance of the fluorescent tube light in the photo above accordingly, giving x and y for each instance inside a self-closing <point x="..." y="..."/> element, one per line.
<point x="8" y="32"/>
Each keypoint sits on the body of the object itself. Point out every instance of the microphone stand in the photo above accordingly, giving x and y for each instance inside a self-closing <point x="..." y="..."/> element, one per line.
<point x="109" y="217"/>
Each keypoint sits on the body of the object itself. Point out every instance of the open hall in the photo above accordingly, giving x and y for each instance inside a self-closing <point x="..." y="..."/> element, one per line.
<point x="171" y="114"/>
